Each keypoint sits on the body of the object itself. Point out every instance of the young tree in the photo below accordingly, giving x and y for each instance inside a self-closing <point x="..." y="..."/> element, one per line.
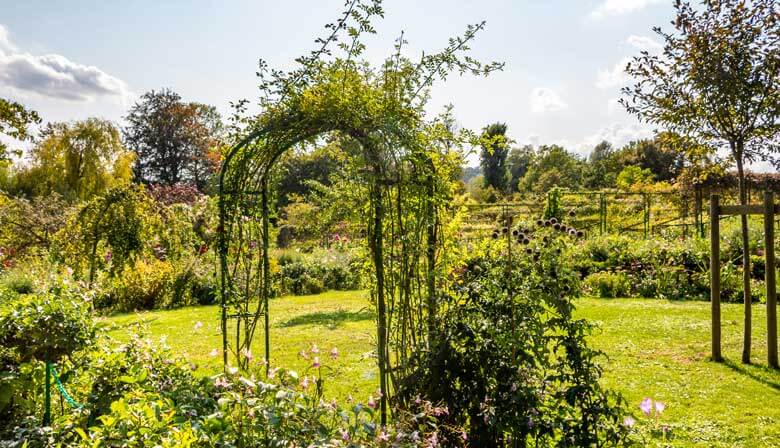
<point x="173" y="139"/>
<point x="495" y="149"/>
<point x="717" y="82"/>
<point x="77" y="160"/>
<point x="14" y="122"/>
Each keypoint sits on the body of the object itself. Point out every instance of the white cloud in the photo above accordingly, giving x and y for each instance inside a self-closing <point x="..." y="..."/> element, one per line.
<point x="545" y="100"/>
<point x="614" y="77"/>
<point x="55" y="76"/>
<point x="614" y="106"/>
<point x="5" y="39"/>
<point x="610" y="8"/>
<point x="617" y="133"/>
<point x="645" y="43"/>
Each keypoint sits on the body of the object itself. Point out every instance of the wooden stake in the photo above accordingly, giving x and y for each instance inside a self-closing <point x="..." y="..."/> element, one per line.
<point x="715" y="275"/>
<point x="771" y="288"/>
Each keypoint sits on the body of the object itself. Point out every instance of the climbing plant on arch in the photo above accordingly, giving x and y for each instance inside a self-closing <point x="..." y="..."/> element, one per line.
<point x="405" y="169"/>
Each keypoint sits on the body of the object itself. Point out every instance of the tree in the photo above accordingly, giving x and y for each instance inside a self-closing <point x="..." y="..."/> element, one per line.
<point x="632" y="177"/>
<point x="661" y="159"/>
<point x="14" y="122"/>
<point x="552" y="166"/>
<point x="174" y="140"/>
<point x="495" y="149"/>
<point x="717" y="82"/>
<point x="518" y="162"/>
<point x="603" y="166"/>
<point x="77" y="160"/>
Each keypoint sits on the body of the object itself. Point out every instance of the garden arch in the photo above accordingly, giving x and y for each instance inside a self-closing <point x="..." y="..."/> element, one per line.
<point x="341" y="99"/>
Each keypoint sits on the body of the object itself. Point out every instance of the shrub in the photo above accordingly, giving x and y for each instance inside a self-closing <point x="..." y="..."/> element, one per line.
<point x="511" y="363"/>
<point x="46" y="327"/>
<point x="18" y="282"/>
<point x="608" y="284"/>
<point x="144" y="285"/>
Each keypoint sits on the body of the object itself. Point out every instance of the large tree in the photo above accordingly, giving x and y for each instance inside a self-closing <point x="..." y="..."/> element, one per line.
<point x="77" y="160"/>
<point x="518" y="162"/>
<point x="174" y="140"/>
<point x="495" y="149"/>
<point x="717" y="83"/>
<point x="15" y="120"/>
<point x="553" y="166"/>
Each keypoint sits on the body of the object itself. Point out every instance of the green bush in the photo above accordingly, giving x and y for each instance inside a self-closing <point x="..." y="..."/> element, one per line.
<point x="608" y="284"/>
<point x="317" y="272"/>
<point x="46" y="327"/>
<point x="18" y="282"/>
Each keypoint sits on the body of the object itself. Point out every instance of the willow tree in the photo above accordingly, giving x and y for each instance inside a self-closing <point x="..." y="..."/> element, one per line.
<point x="405" y="169"/>
<point x="717" y="82"/>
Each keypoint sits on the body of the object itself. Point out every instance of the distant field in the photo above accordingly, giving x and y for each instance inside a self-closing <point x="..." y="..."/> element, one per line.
<point x="655" y="349"/>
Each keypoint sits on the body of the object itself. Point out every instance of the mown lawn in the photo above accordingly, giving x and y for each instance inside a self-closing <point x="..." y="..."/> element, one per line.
<point x="655" y="349"/>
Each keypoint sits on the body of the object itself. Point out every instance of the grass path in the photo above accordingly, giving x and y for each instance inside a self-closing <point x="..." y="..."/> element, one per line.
<point x="655" y="349"/>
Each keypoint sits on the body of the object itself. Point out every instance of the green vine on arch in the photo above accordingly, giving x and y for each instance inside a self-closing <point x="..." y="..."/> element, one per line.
<point x="405" y="172"/>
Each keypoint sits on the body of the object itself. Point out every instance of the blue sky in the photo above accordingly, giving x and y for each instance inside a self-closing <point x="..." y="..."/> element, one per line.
<point x="76" y="58"/>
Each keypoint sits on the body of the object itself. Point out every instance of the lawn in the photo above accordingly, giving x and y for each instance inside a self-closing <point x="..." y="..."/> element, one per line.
<point x="655" y="349"/>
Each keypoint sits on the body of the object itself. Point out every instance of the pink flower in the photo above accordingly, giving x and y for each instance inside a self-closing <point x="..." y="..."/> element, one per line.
<point x="316" y="362"/>
<point x="659" y="407"/>
<point x="272" y="372"/>
<point x="198" y="325"/>
<point x="383" y="437"/>
<point x="646" y="406"/>
<point x="629" y="421"/>
<point x="371" y="403"/>
<point x="334" y="353"/>
<point x="463" y="435"/>
<point x="303" y="354"/>
<point x="305" y="383"/>
<point x="344" y="434"/>
<point x="221" y="382"/>
<point x="214" y="353"/>
<point x="314" y="349"/>
<point x="247" y="354"/>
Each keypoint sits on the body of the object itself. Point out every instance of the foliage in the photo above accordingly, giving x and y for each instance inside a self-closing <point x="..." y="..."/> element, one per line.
<point x="30" y="226"/>
<point x="77" y="160"/>
<point x="493" y="157"/>
<point x="45" y="327"/>
<point x="634" y="178"/>
<point x="175" y="194"/>
<point x="552" y="207"/>
<point x="175" y="141"/>
<point x="552" y="166"/>
<point x="15" y="120"/>
<point x="607" y="284"/>
<point x="120" y="219"/>
<point x="318" y="272"/>
<point x="518" y="161"/>
<point x="511" y="363"/>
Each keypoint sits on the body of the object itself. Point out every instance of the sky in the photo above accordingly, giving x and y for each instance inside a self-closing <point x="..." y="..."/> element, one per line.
<point x="73" y="59"/>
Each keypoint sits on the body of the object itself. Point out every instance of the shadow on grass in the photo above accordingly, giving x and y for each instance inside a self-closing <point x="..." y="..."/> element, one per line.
<point x="330" y="319"/>
<point x="756" y="372"/>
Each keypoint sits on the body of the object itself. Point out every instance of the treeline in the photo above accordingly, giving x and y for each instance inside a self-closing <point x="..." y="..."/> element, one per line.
<point x="167" y="141"/>
<point x="506" y="170"/>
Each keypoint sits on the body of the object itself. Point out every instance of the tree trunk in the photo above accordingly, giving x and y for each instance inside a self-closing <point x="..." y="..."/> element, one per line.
<point x="745" y="259"/>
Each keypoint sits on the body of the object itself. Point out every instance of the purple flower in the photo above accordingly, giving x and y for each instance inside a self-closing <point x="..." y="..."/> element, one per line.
<point x="659" y="407"/>
<point x="334" y="353"/>
<point x="316" y="362"/>
<point x="629" y="421"/>
<point x="371" y="403"/>
<point x="646" y="406"/>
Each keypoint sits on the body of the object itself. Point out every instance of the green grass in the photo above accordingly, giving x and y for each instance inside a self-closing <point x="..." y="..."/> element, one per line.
<point x="655" y="349"/>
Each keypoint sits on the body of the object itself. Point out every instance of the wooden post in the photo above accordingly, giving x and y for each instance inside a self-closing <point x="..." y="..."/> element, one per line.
<point x="715" y="275"/>
<point x="771" y="288"/>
